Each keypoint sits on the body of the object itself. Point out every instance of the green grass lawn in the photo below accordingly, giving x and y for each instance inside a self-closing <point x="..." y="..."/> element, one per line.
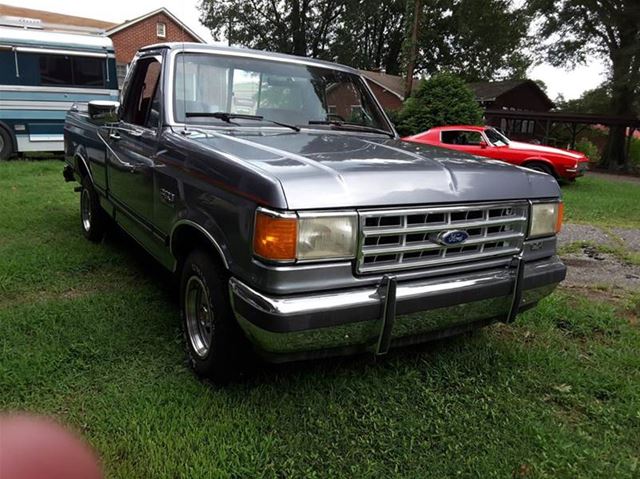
<point x="90" y="334"/>
<point x="602" y="202"/>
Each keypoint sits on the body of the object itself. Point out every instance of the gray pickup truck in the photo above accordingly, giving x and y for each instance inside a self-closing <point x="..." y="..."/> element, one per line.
<point x="299" y="224"/>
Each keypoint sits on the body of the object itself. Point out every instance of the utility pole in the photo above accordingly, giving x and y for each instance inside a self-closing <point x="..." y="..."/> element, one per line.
<point x="411" y="64"/>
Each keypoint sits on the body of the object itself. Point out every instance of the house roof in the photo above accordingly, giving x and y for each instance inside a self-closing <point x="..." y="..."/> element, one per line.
<point x="489" y="91"/>
<point x="394" y="84"/>
<point x="130" y="23"/>
<point x="52" y="19"/>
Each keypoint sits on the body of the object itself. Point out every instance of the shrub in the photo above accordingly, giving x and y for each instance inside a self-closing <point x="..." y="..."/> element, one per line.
<point x="634" y="153"/>
<point x="443" y="99"/>
<point x="589" y="149"/>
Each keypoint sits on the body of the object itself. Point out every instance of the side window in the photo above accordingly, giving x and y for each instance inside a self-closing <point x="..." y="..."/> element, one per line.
<point x="142" y="104"/>
<point x="70" y="70"/>
<point x="88" y="71"/>
<point x="457" y="137"/>
<point x="55" y="70"/>
<point x="153" y="120"/>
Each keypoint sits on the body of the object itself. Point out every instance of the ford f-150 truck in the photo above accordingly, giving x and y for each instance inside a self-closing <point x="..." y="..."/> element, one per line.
<point x="298" y="222"/>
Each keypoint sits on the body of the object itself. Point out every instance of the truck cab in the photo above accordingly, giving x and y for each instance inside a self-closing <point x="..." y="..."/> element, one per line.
<point x="299" y="225"/>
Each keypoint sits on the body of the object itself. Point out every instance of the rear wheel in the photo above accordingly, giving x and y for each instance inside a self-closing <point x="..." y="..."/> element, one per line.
<point x="6" y="145"/>
<point x="216" y="347"/>
<point x="92" y="217"/>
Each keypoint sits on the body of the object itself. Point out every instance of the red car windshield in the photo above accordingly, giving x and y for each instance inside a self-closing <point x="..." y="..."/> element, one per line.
<point x="495" y="137"/>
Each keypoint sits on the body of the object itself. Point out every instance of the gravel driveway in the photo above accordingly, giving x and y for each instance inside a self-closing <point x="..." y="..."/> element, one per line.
<point x="595" y="257"/>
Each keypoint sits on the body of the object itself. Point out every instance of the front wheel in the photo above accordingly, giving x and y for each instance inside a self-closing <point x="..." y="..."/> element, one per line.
<point x="92" y="217"/>
<point x="542" y="167"/>
<point x="216" y="347"/>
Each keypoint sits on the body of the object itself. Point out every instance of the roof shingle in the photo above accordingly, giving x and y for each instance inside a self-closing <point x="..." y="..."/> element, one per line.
<point x="54" y="18"/>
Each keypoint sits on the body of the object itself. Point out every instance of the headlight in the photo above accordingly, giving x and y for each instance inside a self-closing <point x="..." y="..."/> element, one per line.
<point x="306" y="236"/>
<point x="327" y="236"/>
<point x="546" y="219"/>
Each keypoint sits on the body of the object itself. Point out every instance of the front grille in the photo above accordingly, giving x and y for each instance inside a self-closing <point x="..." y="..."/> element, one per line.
<point x="406" y="239"/>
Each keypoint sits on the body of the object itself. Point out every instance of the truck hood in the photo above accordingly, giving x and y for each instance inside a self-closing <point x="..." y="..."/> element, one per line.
<point x="337" y="170"/>
<point x="516" y="145"/>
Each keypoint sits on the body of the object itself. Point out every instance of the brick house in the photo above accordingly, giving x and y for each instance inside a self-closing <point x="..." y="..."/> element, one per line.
<point x="154" y="27"/>
<point x="388" y="89"/>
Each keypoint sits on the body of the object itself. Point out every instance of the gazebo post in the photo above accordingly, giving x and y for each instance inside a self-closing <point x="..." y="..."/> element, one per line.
<point x="627" y="151"/>
<point x="573" y="135"/>
<point x="546" y="131"/>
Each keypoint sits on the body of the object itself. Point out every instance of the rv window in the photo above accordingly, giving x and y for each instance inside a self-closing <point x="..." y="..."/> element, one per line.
<point x="55" y="70"/>
<point x="88" y="71"/>
<point x="71" y="71"/>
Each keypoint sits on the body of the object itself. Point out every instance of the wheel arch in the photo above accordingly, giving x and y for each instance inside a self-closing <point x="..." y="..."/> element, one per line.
<point x="12" y="136"/>
<point x="81" y="165"/>
<point x="187" y="235"/>
<point x="544" y="161"/>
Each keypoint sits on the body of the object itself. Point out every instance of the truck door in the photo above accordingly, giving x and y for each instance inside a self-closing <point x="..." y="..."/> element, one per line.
<point x="133" y="143"/>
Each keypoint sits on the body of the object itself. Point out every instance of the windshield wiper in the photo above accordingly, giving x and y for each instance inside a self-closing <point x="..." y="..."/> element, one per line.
<point x="341" y="125"/>
<point x="227" y="117"/>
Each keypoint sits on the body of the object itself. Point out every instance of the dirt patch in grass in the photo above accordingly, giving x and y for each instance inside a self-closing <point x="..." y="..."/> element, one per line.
<point x="598" y="258"/>
<point x="600" y="271"/>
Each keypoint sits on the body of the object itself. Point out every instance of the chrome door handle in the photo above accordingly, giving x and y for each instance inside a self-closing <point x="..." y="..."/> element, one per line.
<point x="114" y="136"/>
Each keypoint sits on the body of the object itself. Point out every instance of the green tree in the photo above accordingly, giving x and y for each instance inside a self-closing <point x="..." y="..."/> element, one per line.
<point x="300" y="27"/>
<point x="596" y="101"/>
<point x="455" y="35"/>
<point x="370" y="35"/>
<point x="475" y="39"/>
<point x="443" y="99"/>
<point x="583" y="29"/>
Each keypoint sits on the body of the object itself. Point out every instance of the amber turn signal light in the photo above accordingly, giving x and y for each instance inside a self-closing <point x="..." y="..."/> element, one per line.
<point x="560" y="217"/>
<point x="274" y="237"/>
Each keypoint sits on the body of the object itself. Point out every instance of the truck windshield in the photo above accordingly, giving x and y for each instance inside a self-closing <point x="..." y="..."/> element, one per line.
<point x="207" y="86"/>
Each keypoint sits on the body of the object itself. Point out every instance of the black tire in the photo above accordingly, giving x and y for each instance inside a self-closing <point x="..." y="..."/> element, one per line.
<point x="6" y="145"/>
<point x="542" y="167"/>
<point x="216" y="347"/>
<point x="93" y="219"/>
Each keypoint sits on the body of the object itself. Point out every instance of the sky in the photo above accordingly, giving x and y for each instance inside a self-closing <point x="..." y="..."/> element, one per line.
<point x="570" y="83"/>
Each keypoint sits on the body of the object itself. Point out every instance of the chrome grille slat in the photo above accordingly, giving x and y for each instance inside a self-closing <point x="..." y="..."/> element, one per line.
<point x="440" y="227"/>
<point x="434" y="246"/>
<point x="406" y="238"/>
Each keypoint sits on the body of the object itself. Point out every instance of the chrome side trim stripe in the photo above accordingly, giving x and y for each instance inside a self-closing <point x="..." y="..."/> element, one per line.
<point x="56" y="89"/>
<point x="35" y="105"/>
<point x="63" y="51"/>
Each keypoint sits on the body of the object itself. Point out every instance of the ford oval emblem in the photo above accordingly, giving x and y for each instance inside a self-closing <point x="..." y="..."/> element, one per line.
<point x="452" y="237"/>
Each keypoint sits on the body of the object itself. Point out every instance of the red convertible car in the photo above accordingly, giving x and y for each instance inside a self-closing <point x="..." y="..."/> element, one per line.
<point x="489" y="142"/>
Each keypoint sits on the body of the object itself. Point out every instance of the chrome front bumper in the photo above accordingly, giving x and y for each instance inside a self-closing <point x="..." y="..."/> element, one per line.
<point x="285" y="328"/>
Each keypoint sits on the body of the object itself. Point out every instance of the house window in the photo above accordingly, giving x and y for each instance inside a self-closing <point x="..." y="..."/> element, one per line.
<point x="121" y="70"/>
<point x="161" y="29"/>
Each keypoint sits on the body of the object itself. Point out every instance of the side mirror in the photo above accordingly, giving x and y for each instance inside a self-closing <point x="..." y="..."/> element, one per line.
<point x="483" y="144"/>
<point x="103" y="112"/>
